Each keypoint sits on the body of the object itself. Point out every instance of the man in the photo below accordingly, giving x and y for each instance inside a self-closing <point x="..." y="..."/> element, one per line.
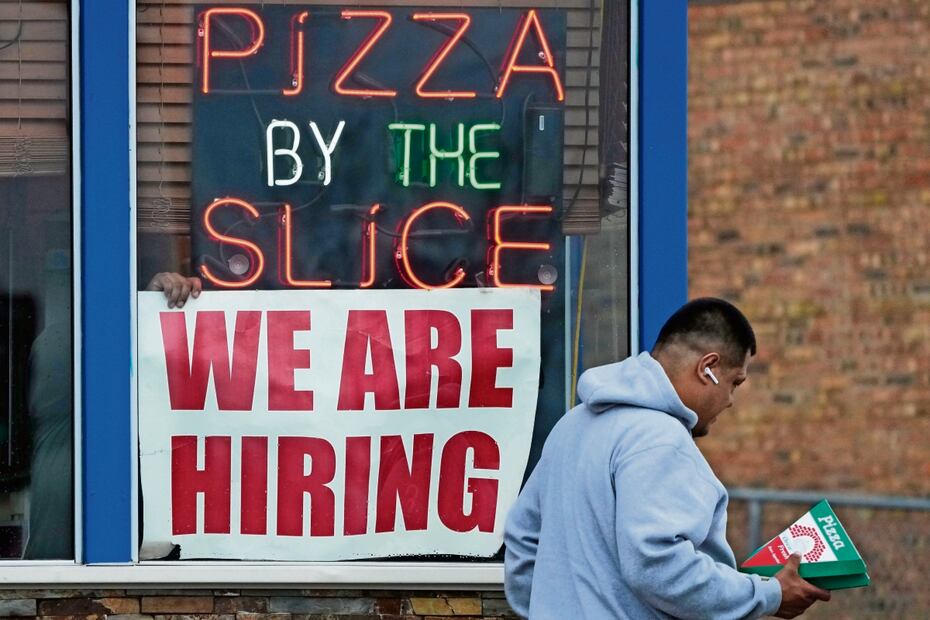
<point x="623" y="517"/>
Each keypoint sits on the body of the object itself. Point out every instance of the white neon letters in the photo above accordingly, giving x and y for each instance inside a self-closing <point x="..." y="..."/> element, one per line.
<point x="326" y="149"/>
<point x="272" y="152"/>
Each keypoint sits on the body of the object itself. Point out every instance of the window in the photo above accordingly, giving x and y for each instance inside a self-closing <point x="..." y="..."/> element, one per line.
<point x="382" y="207"/>
<point x="36" y="424"/>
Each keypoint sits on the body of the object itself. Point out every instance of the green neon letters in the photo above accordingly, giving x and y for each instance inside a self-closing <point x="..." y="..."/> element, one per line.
<point x="435" y="153"/>
<point x="476" y="155"/>
<point x="426" y="147"/>
<point x="403" y="174"/>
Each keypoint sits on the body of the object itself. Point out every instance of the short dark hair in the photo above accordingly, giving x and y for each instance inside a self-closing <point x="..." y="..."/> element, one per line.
<point x="709" y="323"/>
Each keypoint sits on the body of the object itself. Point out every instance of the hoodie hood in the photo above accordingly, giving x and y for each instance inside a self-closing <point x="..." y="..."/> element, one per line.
<point x="635" y="382"/>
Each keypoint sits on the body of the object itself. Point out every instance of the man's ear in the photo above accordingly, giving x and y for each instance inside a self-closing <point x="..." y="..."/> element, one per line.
<point x="708" y="360"/>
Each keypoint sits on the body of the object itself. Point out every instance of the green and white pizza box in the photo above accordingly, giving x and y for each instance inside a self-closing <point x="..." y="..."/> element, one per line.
<point x="841" y="582"/>
<point x="828" y="557"/>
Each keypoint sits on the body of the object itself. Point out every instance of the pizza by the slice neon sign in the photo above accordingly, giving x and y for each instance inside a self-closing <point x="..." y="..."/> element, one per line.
<point x="445" y="173"/>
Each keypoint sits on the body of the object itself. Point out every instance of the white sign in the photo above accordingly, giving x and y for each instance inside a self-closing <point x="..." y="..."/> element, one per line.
<point x="329" y="425"/>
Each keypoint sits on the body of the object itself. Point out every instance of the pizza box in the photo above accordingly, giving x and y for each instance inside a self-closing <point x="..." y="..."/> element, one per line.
<point x="828" y="557"/>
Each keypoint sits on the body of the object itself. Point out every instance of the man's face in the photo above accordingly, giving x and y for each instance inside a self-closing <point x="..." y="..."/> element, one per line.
<point x="717" y="397"/>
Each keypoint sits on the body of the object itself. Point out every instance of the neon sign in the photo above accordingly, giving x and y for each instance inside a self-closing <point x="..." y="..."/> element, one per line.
<point x="336" y="147"/>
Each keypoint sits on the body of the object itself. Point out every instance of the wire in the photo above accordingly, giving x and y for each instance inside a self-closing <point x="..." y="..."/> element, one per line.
<point x="16" y="37"/>
<point x="577" y="344"/>
<point x="449" y="31"/>
<point x="245" y="78"/>
<point x="264" y="216"/>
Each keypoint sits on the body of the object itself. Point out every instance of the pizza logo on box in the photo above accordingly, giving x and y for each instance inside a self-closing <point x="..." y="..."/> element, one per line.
<point x="806" y="536"/>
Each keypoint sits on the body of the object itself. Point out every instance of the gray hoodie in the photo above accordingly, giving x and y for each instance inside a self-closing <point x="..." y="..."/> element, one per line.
<point x="623" y="517"/>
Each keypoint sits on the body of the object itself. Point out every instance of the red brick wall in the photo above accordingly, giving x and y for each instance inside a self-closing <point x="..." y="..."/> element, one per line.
<point x="809" y="193"/>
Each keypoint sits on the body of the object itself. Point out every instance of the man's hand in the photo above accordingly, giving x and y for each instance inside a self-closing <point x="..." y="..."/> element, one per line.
<point x="796" y="593"/>
<point x="177" y="288"/>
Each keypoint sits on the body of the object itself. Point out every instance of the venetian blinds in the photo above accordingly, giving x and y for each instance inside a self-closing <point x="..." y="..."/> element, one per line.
<point x="34" y="68"/>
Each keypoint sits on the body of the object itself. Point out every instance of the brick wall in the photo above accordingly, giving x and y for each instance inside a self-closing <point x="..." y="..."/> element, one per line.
<point x="809" y="197"/>
<point x="250" y="605"/>
<point x="809" y="192"/>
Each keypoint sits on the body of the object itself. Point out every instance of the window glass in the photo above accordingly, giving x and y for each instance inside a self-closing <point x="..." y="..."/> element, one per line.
<point x="406" y="249"/>
<point x="36" y="408"/>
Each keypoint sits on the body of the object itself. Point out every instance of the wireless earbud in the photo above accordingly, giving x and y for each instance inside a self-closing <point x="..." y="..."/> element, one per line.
<point x="710" y="373"/>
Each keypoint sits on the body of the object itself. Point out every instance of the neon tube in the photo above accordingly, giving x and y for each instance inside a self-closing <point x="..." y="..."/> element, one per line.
<point x="361" y="53"/>
<point x="531" y="19"/>
<point x="259" y="262"/>
<point x="402" y="255"/>
<point x="499" y="245"/>
<point x="209" y="53"/>
<point x="441" y="56"/>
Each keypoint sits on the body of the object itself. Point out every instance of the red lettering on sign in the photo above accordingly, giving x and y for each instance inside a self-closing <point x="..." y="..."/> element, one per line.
<point x="466" y="500"/>
<point x="258" y="38"/>
<point x="368" y="249"/>
<point x="293" y="483"/>
<point x="498" y="244"/>
<point x="402" y="255"/>
<point x="367" y="331"/>
<point x="354" y="61"/>
<point x="297" y="55"/>
<point x="187" y="481"/>
<point x="531" y="20"/>
<point x="286" y="232"/>
<point x="452" y="488"/>
<point x="283" y="359"/>
<point x="254" y="501"/>
<point x="405" y="481"/>
<point x="257" y="264"/>
<point x="487" y="357"/>
<point x="422" y="357"/>
<point x="358" y="473"/>
<point x="188" y="375"/>
<point x="441" y="55"/>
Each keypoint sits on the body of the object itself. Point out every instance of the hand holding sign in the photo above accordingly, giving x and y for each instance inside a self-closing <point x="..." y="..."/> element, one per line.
<point x="176" y="287"/>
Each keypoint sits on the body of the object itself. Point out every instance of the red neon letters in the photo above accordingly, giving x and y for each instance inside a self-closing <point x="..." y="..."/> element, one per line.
<point x="287" y="260"/>
<point x="297" y="52"/>
<point x="511" y="66"/>
<point x="353" y="62"/>
<point x="258" y="37"/>
<point x="368" y="249"/>
<point x="297" y="55"/>
<point x="403" y="254"/>
<point x="441" y="55"/>
<point x="498" y="244"/>
<point x="257" y="265"/>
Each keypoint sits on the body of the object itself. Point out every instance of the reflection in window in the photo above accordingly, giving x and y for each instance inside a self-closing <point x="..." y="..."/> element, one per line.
<point x="36" y="409"/>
